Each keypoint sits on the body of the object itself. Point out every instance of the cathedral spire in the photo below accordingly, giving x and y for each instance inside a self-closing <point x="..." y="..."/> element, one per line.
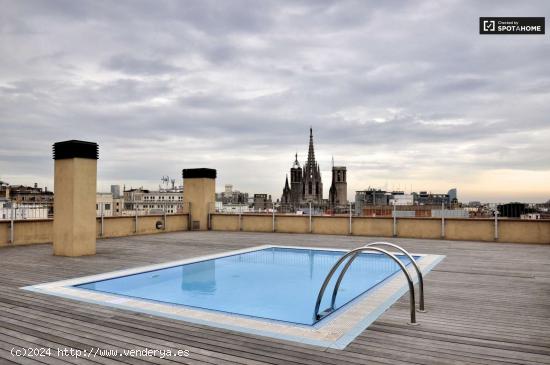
<point x="311" y="152"/>
<point x="296" y="163"/>
<point x="286" y="183"/>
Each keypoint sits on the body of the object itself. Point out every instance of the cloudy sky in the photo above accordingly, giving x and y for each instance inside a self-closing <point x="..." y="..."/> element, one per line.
<point x="406" y="94"/>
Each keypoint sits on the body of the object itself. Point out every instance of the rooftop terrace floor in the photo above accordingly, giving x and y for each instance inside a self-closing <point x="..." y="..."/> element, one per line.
<point x="488" y="303"/>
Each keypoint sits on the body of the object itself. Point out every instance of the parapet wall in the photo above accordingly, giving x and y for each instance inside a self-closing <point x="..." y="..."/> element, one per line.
<point x="41" y="231"/>
<point x="509" y="230"/>
<point x="461" y="229"/>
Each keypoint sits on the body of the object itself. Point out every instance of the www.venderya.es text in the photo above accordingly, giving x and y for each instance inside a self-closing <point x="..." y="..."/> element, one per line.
<point x="93" y="352"/>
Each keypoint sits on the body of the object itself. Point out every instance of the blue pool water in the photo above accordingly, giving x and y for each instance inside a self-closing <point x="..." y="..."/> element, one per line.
<point x="273" y="283"/>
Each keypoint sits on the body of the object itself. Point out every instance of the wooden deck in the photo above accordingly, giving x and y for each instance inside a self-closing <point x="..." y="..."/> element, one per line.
<point x="488" y="303"/>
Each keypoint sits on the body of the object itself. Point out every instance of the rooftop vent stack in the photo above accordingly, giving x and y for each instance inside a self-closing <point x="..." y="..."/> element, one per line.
<point x="200" y="195"/>
<point x="75" y="186"/>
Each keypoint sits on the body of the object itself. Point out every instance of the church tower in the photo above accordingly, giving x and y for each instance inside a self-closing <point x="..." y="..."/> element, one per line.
<point x="286" y="198"/>
<point x="296" y="182"/>
<point x="338" y="193"/>
<point x="312" y="183"/>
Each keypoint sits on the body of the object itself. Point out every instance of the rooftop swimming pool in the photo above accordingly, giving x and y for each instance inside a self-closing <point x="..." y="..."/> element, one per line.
<point x="265" y="290"/>
<point x="273" y="283"/>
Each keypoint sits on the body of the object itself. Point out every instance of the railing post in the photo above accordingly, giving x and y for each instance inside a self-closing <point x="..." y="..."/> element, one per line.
<point x="13" y="212"/>
<point x="442" y="220"/>
<point x="102" y="214"/>
<point x="164" y="218"/>
<point x="310" y="223"/>
<point x="350" y="216"/>
<point x="189" y="218"/>
<point x="208" y="220"/>
<point x="496" y="225"/>
<point x="394" y="221"/>
<point x="273" y="217"/>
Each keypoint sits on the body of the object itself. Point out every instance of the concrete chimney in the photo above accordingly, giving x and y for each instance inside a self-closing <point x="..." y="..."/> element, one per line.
<point x="75" y="185"/>
<point x="200" y="194"/>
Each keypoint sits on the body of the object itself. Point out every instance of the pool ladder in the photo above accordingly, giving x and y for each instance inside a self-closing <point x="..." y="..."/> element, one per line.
<point x="352" y="256"/>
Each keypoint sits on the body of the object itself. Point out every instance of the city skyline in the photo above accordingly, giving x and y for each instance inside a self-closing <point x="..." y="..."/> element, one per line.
<point x="163" y="87"/>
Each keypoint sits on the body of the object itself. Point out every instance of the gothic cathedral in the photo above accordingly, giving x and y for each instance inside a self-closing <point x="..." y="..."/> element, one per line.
<point x="305" y="184"/>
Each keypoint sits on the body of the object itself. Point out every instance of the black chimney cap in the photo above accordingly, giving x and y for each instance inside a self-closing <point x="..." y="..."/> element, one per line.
<point x="199" y="173"/>
<point x="75" y="149"/>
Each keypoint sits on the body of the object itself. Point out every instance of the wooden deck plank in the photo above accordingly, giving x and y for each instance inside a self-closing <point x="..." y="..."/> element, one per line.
<point x="488" y="303"/>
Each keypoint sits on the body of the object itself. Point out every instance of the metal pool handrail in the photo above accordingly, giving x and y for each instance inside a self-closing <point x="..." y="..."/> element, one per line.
<point x="317" y="316"/>
<point x="413" y="261"/>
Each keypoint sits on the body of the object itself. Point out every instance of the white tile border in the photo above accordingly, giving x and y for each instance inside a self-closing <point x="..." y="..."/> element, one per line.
<point x="336" y="331"/>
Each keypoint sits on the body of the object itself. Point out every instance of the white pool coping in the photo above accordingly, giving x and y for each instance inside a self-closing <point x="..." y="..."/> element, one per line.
<point x="335" y="331"/>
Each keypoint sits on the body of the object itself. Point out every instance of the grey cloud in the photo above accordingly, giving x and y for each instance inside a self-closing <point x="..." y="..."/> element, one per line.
<point x="236" y="85"/>
<point x="139" y="66"/>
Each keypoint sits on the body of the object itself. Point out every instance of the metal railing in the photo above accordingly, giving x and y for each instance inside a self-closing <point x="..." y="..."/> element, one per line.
<point x="352" y="255"/>
<point x="13" y="212"/>
<point x="24" y="211"/>
<point x="362" y="209"/>
<point x="445" y="212"/>
<point x="163" y="209"/>
<point x="401" y="249"/>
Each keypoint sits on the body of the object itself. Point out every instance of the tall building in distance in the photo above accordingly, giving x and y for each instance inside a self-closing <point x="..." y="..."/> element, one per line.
<point x="286" y="198"/>
<point x="115" y="190"/>
<point x="230" y="196"/>
<point x="338" y="193"/>
<point x="313" y="184"/>
<point x="296" y="182"/>
<point x="306" y="183"/>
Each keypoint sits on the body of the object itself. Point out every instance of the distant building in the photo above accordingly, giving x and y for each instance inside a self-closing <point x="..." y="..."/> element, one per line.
<point x="286" y="198"/>
<point x="400" y="198"/>
<point x="453" y="196"/>
<point x="377" y="202"/>
<point x="296" y="183"/>
<point x="25" y="202"/>
<point x="118" y="206"/>
<point x="338" y="193"/>
<point x="230" y="196"/>
<point x="4" y="205"/>
<point x="531" y="216"/>
<point x="312" y="181"/>
<point x="22" y="194"/>
<point x="108" y="205"/>
<point x="262" y="202"/>
<point x="104" y="204"/>
<point x="10" y="210"/>
<point x="513" y="210"/>
<point x="228" y="188"/>
<point x="152" y="202"/>
<point x="232" y="208"/>
<point x="371" y="196"/>
<point x="425" y="198"/>
<point x="306" y="184"/>
<point x="115" y="191"/>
